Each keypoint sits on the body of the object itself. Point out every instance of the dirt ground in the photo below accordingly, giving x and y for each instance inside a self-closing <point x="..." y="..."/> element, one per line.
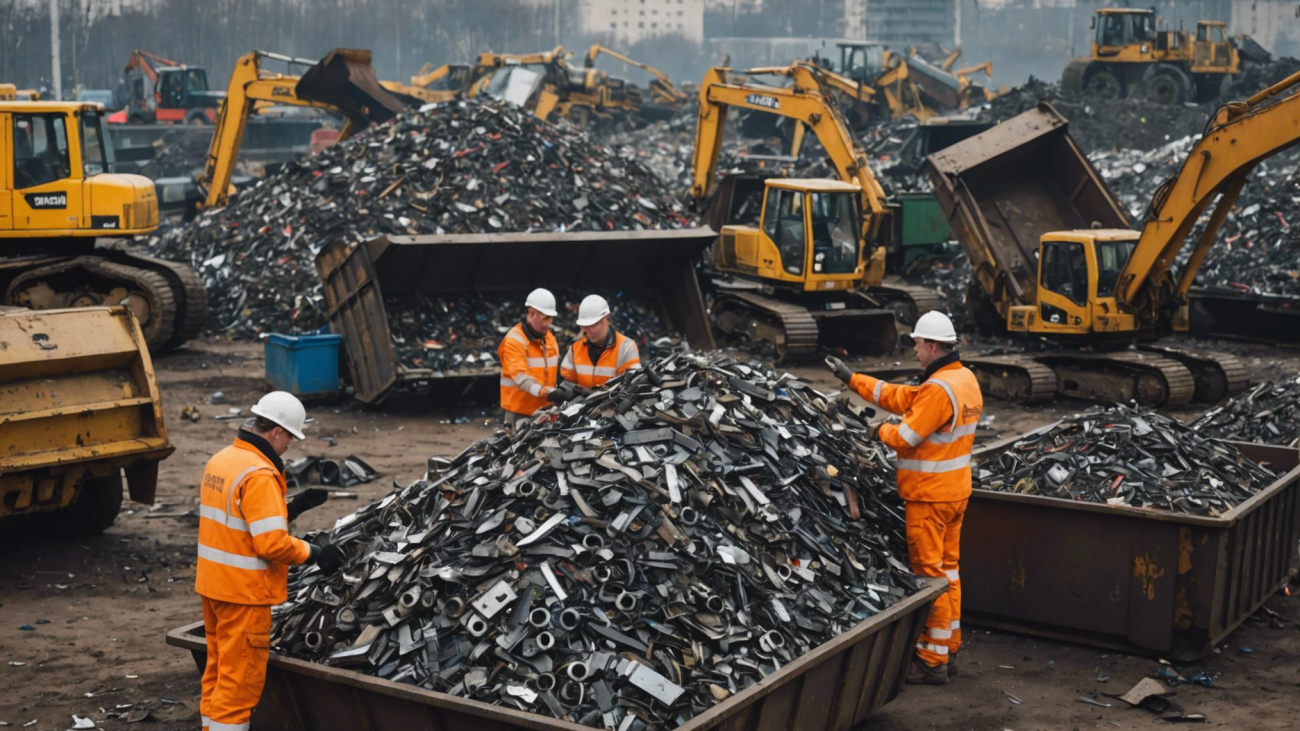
<point x="98" y="608"/>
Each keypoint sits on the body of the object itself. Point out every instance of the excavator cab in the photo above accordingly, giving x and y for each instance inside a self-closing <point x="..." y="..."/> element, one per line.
<point x="808" y="238"/>
<point x="1078" y="272"/>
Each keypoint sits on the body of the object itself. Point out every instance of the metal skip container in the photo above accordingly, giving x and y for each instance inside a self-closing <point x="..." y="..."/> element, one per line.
<point x="1132" y="579"/>
<point x="658" y="266"/>
<point x="834" y="687"/>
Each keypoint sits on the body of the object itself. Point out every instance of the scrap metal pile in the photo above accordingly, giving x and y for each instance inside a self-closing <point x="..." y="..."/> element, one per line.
<point x="662" y="544"/>
<point x="450" y="333"/>
<point x="1267" y="414"/>
<point x="474" y="166"/>
<point x="1123" y="456"/>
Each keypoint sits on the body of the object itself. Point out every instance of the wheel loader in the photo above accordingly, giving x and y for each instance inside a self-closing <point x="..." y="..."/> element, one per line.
<point x="79" y="414"/>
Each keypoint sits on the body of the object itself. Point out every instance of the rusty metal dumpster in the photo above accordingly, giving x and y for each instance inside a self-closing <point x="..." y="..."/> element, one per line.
<point x="833" y="688"/>
<point x="658" y="266"/>
<point x="1127" y="578"/>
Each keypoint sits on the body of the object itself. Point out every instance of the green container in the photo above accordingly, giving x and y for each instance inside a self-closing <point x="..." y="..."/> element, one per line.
<point x="924" y="228"/>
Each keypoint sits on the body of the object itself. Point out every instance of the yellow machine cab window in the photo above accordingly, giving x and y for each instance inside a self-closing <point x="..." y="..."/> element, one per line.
<point x="96" y="146"/>
<point x="834" y="233"/>
<point x="40" y="149"/>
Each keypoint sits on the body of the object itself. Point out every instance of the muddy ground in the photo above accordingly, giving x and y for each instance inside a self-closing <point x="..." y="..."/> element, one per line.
<point x="98" y="608"/>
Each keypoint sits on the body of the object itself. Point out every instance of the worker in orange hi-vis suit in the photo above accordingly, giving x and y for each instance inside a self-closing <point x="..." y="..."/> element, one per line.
<point x="933" y="443"/>
<point x="530" y="362"/>
<point x="602" y="352"/>
<point x="244" y="555"/>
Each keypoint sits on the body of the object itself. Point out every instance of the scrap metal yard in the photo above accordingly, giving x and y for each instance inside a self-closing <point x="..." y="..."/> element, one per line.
<point x="906" y="373"/>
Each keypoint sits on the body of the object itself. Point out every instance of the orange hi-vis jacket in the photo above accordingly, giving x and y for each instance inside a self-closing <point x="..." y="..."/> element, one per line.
<point x="938" y="430"/>
<point x="528" y="368"/>
<point x="245" y="549"/>
<point x="620" y="357"/>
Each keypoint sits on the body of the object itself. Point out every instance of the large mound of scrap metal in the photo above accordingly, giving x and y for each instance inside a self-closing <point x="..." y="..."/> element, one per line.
<point x="444" y="333"/>
<point x="474" y="166"/>
<point x="626" y="562"/>
<point x="1267" y="414"/>
<point x="1123" y="456"/>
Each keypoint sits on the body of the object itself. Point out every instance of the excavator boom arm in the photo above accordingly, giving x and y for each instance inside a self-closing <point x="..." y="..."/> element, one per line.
<point x="805" y="102"/>
<point x="1242" y="135"/>
<point x="598" y="49"/>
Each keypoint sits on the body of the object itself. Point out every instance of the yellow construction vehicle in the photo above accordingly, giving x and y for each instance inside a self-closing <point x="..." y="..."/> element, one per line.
<point x="811" y="272"/>
<point x="1132" y="57"/>
<point x="665" y="99"/>
<point x="1054" y="256"/>
<point x="65" y="216"/>
<point x="343" y="82"/>
<point x="80" y="411"/>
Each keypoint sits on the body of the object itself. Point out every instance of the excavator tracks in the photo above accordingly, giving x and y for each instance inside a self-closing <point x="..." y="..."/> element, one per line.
<point x="1015" y="378"/>
<point x="789" y="328"/>
<point x="1133" y="375"/>
<point x="1217" y="375"/>
<point x="190" y="293"/>
<point x="907" y="301"/>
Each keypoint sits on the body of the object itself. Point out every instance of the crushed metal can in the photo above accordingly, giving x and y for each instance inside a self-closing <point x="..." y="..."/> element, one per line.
<point x="625" y="561"/>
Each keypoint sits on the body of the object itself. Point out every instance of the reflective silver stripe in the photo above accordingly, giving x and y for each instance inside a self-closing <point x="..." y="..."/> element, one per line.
<point x="567" y="364"/>
<point x="964" y="430"/>
<point x="217" y="515"/>
<point x="266" y="525"/>
<point x="936" y="649"/>
<point x="549" y="361"/>
<point x="875" y="392"/>
<point x="943" y="465"/>
<point x="605" y="371"/>
<point x="552" y="361"/>
<point x="951" y="397"/>
<point x="218" y="726"/>
<point x="627" y="351"/>
<point x="523" y="380"/>
<point x="585" y="370"/>
<point x="908" y="435"/>
<point x="509" y="382"/>
<point x="206" y="721"/>
<point x="514" y="334"/>
<point x="940" y="634"/>
<point x="230" y="492"/>
<point x="956" y="624"/>
<point x="953" y="575"/>
<point x="252" y="563"/>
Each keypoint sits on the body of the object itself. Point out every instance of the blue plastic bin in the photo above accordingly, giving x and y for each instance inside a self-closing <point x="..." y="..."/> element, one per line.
<point x="303" y="365"/>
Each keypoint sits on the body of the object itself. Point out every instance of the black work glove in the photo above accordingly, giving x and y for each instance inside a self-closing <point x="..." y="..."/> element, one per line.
<point x="560" y="394"/>
<point x="330" y="558"/>
<point x="841" y="371"/>
<point x="306" y="500"/>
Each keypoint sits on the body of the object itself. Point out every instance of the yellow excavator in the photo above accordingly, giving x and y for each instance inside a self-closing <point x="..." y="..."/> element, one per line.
<point x="665" y="99"/>
<point x="1132" y="57"/>
<point x="343" y="82"/>
<point x="1054" y="256"/>
<point x="811" y="272"/>
<point x="66" y="218"/>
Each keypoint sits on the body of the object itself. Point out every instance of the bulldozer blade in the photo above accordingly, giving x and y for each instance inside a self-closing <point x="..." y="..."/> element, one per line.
<point x="860" y="332"/>
<point x="345" y="79"/>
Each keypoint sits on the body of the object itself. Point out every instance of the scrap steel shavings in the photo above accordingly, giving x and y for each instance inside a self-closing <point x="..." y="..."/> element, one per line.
<point x="1268" y="414"/>
<point x="1123" y="456"/>
<point x="473" y="166"/>
<point x="626" y="562"/>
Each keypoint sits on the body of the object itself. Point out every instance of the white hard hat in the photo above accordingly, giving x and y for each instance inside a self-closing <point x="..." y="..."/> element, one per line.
<point x="593" y="308"/>
<point x="934" y="325"/>
<point x="541" y="300"/>
<point x="284" y="409"/>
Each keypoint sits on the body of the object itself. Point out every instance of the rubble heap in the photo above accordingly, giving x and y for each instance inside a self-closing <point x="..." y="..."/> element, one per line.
<point x="1268" y="414"/>
<point x="445" y="333"/>
<point x="474" y="166"/>
<point x="662" y="544"/>
<point x="1123" y="456"/>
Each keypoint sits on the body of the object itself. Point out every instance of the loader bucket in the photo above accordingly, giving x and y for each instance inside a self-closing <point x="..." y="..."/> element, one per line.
<point x="658" y="266"/>
<point x="78" y="403"/>
<point x="345" y="79"/>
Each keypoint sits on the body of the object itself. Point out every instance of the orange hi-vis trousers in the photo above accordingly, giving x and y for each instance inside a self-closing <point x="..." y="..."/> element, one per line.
<point x="239" y="645"/>
<point x="934" y="545"/>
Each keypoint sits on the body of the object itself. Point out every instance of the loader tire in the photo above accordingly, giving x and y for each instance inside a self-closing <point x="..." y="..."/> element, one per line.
<point x="1169" y="85"/>
<point x="93" y="510"/>
<point x="1105" y="85"/>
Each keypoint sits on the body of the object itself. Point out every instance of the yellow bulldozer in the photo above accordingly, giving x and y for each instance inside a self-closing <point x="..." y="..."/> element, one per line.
<point x="1131" y="57"/>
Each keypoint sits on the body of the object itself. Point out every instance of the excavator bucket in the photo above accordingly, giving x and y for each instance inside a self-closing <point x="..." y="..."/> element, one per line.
<point x="655" y="267"/>
<point x="345" y="79"/>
